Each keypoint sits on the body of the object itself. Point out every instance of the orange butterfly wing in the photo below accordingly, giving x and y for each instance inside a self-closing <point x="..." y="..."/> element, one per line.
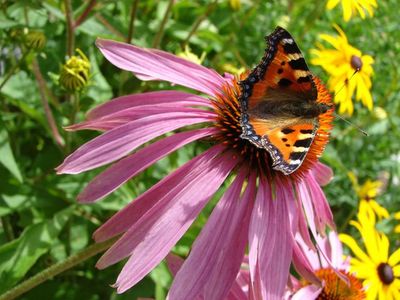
<point x="281" y="78"/>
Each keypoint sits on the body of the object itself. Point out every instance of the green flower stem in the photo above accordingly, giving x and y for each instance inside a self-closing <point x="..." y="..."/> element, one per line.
<point x="83" y="16"/>
<point x="70" y="27"/>
<point x="47" y="110"/>
<point x="56" y="269"/>
<point x="7" y="227"/>
<point x="199" y="20"/>
<point x="132" y="21"/>
<point x="160" y="33"/>
<point x="111" y="28"/>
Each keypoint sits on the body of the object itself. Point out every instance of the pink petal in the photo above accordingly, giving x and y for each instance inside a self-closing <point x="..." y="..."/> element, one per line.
<point x="240" y="288"/>
<point x="130" y="214"/>
<point x="153" y="236"/>
<point x="130" y="114"/>
<point x="119" y="141"/>
<point x="174" y="263"/>
<point x="309" y="292"/>
<point x="120" y="172"/>
<point x="322" y="173"/>
<point x="303" y="266"/>
<point x="157" y="64"/>
<point x="310" y="253"/>
<point x="322" y="209"/>
<point x="336" y="251"/>
<point x="271" y="244"/>
<point x="217" y="253"/>
<point x="164" y="98"/>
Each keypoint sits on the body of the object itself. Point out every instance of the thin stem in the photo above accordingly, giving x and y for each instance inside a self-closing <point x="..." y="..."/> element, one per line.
<point x="56" y="269"/>
<point x="160" y="33"/>
<point x="132" y="21"/>
<point x="47" y="110"/>
<point x="70" y="27"/>
<point x="102" y="20"/>
<point x="199" y="20"/>
<point x="83" y="16"/>
<point x="7" y="227"/>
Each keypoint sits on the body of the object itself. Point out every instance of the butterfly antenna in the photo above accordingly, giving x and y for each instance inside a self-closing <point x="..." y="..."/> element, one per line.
<point x="346" y="81"/>
<point x="351" y="124"/>
<point x="343" y="119"/>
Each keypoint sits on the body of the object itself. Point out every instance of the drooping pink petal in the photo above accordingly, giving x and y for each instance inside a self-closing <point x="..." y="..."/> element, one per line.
<point x="314" y="221"/>
<point x="322" y="173"/>
<point x="218" y="252"/>
<point x="119" y="141"/>
<point x="130" y="214"/>
<point x="240" y="288"/>
<point x="161" y="65"/>
<point x="164" y="98"/>
<point x="153" y="236"/>
<point x="303" y="266"/>
<point x="322" y="209"/>
<point x="134" y="113"/>
<point x="120" y="172"/>
<point x="308" y="292"/>
<point x="271" y="245"/>
<point x="310" y="253"/>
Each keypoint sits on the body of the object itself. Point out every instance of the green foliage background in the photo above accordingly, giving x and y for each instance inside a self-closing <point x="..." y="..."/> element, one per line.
<point x="42" y="224"/>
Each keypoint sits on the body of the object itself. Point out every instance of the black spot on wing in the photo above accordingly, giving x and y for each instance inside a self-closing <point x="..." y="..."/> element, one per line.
<point x="287" y="130"/>
<point x="284" y="140"/>
<point x="280" y="71"/>
<point x="303" y="143"/>
<point x="305" y="131"/>
<point x="304" y="79"/>
<point x="291" y="48"/>
<point x="284" y="82"/>
<point x="297" y="155"/>
<point x="298" y="64"/>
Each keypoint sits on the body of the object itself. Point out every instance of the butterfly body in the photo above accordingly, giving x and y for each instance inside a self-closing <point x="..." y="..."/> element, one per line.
<point x="279" y="108"/>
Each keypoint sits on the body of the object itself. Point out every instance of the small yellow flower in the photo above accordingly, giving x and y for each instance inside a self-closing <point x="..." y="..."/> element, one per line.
<point x="379" y="271"/>
<point x="367" y="194"/>
<point x="232" y="69"/>
<point x="75" y="73"/>
<point x="397" y="217"/>
<point x="350" y="72"/>
<point x="235" y="4"/>
<point x="190" y="56"/>
<point x="351" y="7"/>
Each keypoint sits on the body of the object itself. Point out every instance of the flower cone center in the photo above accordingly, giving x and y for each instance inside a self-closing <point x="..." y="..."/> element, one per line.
<point x="356" y="62"/>
<point x="385" y="273"/>
<point x="336" y="289"/>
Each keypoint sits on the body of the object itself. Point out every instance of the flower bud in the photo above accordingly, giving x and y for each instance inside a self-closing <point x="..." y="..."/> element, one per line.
<point x="75" y="73"/>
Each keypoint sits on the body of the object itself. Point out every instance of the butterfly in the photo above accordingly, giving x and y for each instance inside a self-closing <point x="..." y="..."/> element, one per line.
<point x="278" y="107"/>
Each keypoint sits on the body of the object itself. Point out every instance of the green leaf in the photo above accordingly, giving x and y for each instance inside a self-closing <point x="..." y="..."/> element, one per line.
<point x="20" y="255"/>
<point x="7" y="158"/>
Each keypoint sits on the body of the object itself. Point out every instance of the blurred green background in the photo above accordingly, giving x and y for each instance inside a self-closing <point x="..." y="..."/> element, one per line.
<point x="41" y="222"/>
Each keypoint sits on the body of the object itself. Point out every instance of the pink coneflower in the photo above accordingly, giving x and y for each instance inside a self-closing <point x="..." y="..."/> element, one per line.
<point x="262" y="208"/>
<point x="332" y="268"/>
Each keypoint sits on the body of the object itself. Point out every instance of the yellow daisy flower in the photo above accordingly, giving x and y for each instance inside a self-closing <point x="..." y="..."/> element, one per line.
<point x="379" y="271"/>
<point x="341" y="64"/>
<point x="367" y="194"/>
<point x="397" y="217"/>
<point x="352" y="7"/>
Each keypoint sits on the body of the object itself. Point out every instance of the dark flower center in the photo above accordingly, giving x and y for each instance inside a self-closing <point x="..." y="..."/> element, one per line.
<point x="356" y="63"/>
<point x="385" y="273"/>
